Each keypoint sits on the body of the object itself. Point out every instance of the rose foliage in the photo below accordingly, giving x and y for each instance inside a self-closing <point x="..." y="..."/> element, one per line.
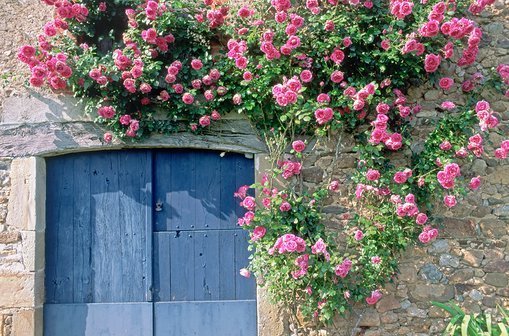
<point x="297" y="69"/>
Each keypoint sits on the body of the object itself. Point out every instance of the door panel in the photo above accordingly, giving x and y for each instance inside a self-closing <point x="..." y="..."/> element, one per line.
<point x="209" y="318"/>
<point x="98" y="319"/>
<point x="210" y="271"/>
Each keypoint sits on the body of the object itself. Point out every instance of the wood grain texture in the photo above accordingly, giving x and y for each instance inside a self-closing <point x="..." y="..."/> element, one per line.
<point x="98" y="228"/>
<point x="50" y="138"/>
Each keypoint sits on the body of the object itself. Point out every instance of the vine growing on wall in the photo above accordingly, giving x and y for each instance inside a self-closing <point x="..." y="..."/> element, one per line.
<point x="296" y="69"/>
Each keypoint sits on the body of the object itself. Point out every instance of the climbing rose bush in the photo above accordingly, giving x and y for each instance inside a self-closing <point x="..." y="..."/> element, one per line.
<point x="296" y="69"/>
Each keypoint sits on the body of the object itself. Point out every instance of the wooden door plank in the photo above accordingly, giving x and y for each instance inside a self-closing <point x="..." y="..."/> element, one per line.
<point x="59" y="233"/>
<point x="98" y="319"/>
<point x="182" y="266"/>
<point x="162" y="266"/>
<point x="207" y="272"/>
<point x="106" y="251"/>
<point x="227" y="265"/>
<point x="182" y="195"/>
<point x="225" y="318"/>
<point x="227" y="189"/>
<point x="82" y="246"/>
<point x="134" y="223"/>
<point x="208" y="190"/>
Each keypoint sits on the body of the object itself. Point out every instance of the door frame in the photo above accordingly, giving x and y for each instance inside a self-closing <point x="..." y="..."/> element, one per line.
<point x="27" y="206"/>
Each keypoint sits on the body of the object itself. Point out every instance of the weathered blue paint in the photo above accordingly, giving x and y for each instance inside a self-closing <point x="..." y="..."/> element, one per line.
<point x="98" y="319"/>
<point x="102" y="245"/>
<point x="210" y="318"/>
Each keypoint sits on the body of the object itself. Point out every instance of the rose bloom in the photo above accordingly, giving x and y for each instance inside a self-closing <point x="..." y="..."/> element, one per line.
<point x="358" y="235"/>
<point x="446" y="83"/>
<point x="204" y="121"/>
<point x="475" y="183"/>
<point x="187" y="98"/>
<point x="421" y="218"/>
<point x="258" y="233"/>
<point x="285" y="206"/>
<point x="334" y="186"/>
<point x="107" y="137"/>
<point x="245" y="273"/>
<point x="306" y="76"/>
<point x="215" y="115"/>
<point x="386" y="44"/>
<point x="400" y="177"/>
<point x="196" y="64"/>
<point x="448" y="105"/>
<point x="450" y="201"/>
<point x="445" y="145"/>
<point x="298" y="145"/>
<point x="372" y="174"/>
<point x="337" y="76"/>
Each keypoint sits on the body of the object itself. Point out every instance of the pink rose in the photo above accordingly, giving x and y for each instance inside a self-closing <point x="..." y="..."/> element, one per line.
<point x="106" y="112"/>
<point x="358" y="235"/>
<point x="446" y="83"/>
<point x="431" y="62"/>
<point x="372" y="174"/>
<point x="107" y="137"/>
<point x="421" y="218"/>
<point x="285" y="206"/>
<point x="245" y="273"/>
<point x="386" y="44"/>
<point x="298" y="146"/>
<point x="306" y="76"/>
<point x="337" y="76"/>
<point x="204" y="121"/>
<point x="258" y="233"/>
<point x="334" y="186"/>
<point x="400" y="177"/>
<point x="249" y="203"/>
<point x="450" y="201"/>
<point x="196" y="64"/>
<point x="375" y="296"/>
<point x="475" y="183"/>
<point x="215" y="115"/>
<point x="187" y="98"/>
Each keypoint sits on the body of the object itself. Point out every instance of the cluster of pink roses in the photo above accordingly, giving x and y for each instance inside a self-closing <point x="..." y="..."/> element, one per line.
<point x="132" y="125"/>
<point x="236" y="50"/>
<point x="65" y="9"/>
<point x="342" y="269"/>
<point x="287" y="92"/>
<point x="303" y="263"/>
<point x="288" y="243"/>
<point x="485" y="114"/>
<point x="290" y="168"/>
<point x="46" y="68"/>
<point x="215" y="16"/>
<point x="320" y="248"/>
<point x="503" y="150"/>
<point x="401" y="8"/>
<point x="477" y="6"/>
<point x="447" y="176"/>
<point x="428" y="234"/>
<point x="380" y="134"/>
<point x="475" y="144"/>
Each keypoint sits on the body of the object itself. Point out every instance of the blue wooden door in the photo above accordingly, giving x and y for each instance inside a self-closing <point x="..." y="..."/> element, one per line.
<point x="199" y="249"/>
<point x="145" y="243"/>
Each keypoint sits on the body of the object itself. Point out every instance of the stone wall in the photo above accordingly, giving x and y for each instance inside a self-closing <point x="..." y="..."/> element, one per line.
<point x="469" y="263"/>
